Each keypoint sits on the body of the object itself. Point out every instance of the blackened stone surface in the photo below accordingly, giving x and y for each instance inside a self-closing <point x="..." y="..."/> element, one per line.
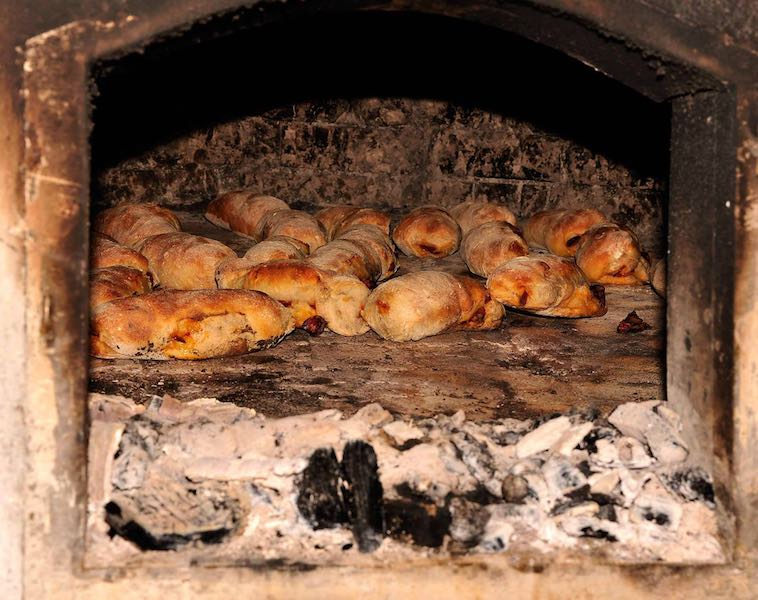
<point x="363" y="494"/>
<point x="319" y="499"/>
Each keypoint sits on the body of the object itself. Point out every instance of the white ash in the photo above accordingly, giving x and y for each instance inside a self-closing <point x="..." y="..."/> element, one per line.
<point x="210" y="479"/>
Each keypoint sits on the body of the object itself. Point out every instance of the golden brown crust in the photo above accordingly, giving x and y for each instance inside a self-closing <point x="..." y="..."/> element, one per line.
<point x="427" y="231"/>
<point x="341" y="217"/>
<point x="377" y="246"/>
<point x="611" y="254"/>
<point x="477" y="212"/>
<point x="546" y="285"/>
<point x="364" y="216"/>
<point x="188" y="325"/>
<point x="130" y="224"/>
<point x="242" y="211"/>
<point x="479" y="311"/>
<point x="344" y="257"/>
<point x="331" y="217"/>
<point x="106" y="252"/>
<point x="112" y="283"/>
<point x="311" y="292"/>
<point x="277" y="247"/>
<point x="490" y="245"/>
<point x="183" y="261"/>
<point x="230" y="274"/>
<point x="559" y="230"/>
<point x="425" y="303"/>
<point x="295" y="224"/>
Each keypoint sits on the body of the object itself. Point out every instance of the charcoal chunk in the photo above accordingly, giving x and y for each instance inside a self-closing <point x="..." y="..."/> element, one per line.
<point x="318" y="498"/>
<point x="363" y="494"/>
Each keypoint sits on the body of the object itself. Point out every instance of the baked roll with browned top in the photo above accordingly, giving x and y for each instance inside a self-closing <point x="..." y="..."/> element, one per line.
<point x="317" y="298"/>
<point x="547" y="285"/>
<point x="231" y="273"/>
<point x="490" y="245"/>
<point x="346" y="258"/>
<point x="130" y="224"/>
<point x="112" y="283"/>
<point x="378" y="248"/>
<point x="242" y="211"/>
<point x="340" y="217"/>
<point x="427" y="231"/>
<point x="473" y="213"/>
<point x="295" y="224"/>
<point x="425" y="303"/>
<point x="183" y="261"/>
<point x="106" y="252"/>
<point x="559" y="230"/>
<point x="188" y="325"/>
<point x="611" y="254"/>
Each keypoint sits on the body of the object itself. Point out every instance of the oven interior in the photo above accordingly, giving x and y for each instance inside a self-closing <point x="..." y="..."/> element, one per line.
<point x="464" y="112"/>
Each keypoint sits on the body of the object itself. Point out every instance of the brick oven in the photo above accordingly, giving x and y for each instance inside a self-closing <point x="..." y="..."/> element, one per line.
<point x="647" y="111"/>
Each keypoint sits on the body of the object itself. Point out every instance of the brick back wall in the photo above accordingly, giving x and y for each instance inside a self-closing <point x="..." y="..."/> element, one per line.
<point x="388" y="153"/>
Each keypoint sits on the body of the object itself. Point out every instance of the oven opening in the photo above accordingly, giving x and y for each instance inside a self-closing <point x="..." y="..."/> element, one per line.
<point x="545" y="436"/>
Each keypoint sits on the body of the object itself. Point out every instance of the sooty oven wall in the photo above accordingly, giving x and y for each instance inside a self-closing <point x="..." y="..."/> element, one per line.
<point x="361" y="109"/>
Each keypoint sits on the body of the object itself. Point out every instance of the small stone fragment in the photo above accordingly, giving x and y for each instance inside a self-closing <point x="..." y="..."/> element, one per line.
<point x="402" y="432"/>
<point x="604" y="482"/>
<point x="656" y="505"/>
<point x="653" y="426"/>
<point x="624" y="451"/>
<point x="468" y="521"/>
<point x="692" y="484"/>
<point x="373" y="414"/>
<point x="543" y="437"/>
<point x="571" y="439"/>
<point x="562" y="477"/>
<point x="515" y="488"/>
<point x="498" y="531"/>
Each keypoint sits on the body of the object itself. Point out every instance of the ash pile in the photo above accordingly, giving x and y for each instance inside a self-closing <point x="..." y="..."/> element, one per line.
<point x="211" y="479"/>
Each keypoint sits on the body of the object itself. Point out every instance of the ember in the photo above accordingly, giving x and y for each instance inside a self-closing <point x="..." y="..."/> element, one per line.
<point x="632" y="324"/>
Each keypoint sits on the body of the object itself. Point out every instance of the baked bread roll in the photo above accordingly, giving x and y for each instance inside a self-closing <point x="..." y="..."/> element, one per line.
<point x="106" y="252"/>
<point x="365" y="216"/>
<point x="377" y="245"/>
<point x="425" y="303"/>
<point x="230" y="274"/>
<point x="427" y="231"/>
<point x="546" y="285"/>
<point x="477" y="212"/>
<point x="129" y="224"/>
<point x="332" y="216"/>
<point x="278" y="247"/>
<point x="312" y="295"/>
<point x="183" y="261"/>
<point x="609" y="253"/>
<point x="346" y="258"/>
<point x="295" y="224"/>
<point x="658" y="277"/>
<point x="242" y="211"/>
<point x="490" y="245"/>
<point x="188" y="325"/>
<point x="112" y="283"/>
<point x="340" y="217"/>
<point x="559" y="230"/>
